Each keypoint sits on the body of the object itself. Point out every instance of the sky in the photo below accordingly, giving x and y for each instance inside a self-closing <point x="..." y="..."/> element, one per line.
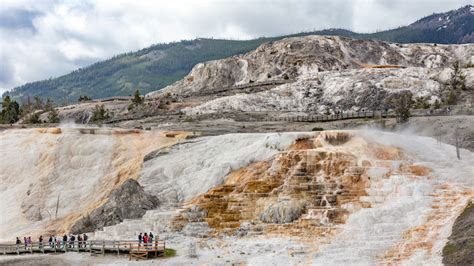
<point x="40" y="39"/>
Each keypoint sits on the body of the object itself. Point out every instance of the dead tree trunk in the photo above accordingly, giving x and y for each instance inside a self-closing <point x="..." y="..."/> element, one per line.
<point x="456" y="140"/>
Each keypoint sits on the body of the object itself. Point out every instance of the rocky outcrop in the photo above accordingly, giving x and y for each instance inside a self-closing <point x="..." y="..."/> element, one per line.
<point x="293" y="57"/>
<point x="318" y="74"/>
<point x="283" y="212"/>
<point x="319" y="92"/>
<point x="127" y="202"/>
<point x="460" y="247"/>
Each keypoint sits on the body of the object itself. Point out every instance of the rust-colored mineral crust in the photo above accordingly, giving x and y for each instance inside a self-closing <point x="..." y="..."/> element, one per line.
<point x="305" y="191"/>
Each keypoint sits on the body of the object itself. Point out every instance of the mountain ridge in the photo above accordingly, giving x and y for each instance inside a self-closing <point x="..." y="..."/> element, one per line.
<point x="160" y="65"/>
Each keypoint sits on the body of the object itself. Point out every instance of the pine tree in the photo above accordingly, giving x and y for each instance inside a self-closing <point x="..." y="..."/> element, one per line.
<point x="33" y="118"/>
<point x="456" y="84"/>
<point x="10" y="111"/>
<point x="458" y="79"/>
<point x="137" y="99"/>
<point x="100" y="113"/>
<point x="49" y="105"/>
<point x="53" y="116"/>
<point x="402" y="106"/>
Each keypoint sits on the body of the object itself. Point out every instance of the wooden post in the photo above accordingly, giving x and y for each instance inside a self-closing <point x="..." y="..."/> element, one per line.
<point x="103" y="247"/>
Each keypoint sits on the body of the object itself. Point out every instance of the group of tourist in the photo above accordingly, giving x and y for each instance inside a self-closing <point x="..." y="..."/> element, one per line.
<point x="145" y="238"/>
<point x="58" y="242"/>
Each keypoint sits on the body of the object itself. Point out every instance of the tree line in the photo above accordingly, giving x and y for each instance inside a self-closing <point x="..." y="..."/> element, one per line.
<point x="30" y="111"/>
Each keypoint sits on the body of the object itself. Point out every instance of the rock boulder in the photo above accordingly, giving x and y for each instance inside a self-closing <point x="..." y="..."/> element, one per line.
<point x="129" y="201"/>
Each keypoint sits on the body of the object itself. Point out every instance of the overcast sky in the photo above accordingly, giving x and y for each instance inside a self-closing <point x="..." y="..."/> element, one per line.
<point x="40" y="39"/>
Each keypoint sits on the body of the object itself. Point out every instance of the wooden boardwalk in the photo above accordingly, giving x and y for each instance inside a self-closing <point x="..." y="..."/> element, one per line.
<point x="133" y="248"/>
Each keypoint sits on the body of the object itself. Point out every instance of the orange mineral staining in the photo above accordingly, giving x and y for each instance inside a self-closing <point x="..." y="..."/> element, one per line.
<point x="302" y="190"/>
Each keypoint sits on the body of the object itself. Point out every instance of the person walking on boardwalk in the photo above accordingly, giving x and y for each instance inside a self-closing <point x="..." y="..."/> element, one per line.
<point x="73" y="238"/>
<point x="18" y="241"/>
<point x="145" y="239"/>
<point x="40" y="242"/>
<point x="150" y="238"/>
<point x="64" y="240"/>
<point x="25" y="241"/>
<point x="29" y="241"/>
<point x="50" y="241"/>
<point x="84" y="238"/>
<point x="79" y="241"/>
<point x="140" y="239"/>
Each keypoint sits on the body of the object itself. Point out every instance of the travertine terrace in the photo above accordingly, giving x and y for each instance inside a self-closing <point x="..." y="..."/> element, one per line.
<point x="81" y="166"/>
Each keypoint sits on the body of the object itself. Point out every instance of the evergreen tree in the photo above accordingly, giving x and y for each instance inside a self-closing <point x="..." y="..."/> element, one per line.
<point x="457" y="81"/>
<point x="137" y="99"/>
<point x="33" y="118"/>
<point x="100" y="113"/>
<point x="38" y="105"/>
<point x="53" y="116"/>
<point x="10" y="111"/>
<point x="456" y="84"/>
<point x="84" y="98"/>
<point x="49" y="105"/>
<point x="402" y="106"/>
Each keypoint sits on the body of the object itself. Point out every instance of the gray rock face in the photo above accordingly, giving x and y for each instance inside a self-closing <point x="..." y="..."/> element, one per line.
<point x="196" y="229"/>
<point x="195" y="214"/>
<point x="460" y="247"/>
<point x="350" y="90"/>
<point x="282" y="212"/>
<point x="291" y="57"/>
<point x="129" y="201"/>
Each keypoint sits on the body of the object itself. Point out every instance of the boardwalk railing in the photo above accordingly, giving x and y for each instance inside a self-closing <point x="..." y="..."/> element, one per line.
<point x="156" y="248"/>
<point x="325" y="118"/>
<point x="143" y="251"/>
<point x="291" y="117"/>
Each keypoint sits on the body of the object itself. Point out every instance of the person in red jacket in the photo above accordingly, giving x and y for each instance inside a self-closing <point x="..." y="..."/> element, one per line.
<point x="145" y="239"/>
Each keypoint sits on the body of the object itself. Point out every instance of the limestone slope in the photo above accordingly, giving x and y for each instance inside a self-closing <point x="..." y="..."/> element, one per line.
<point x="342" y="197"/>
<point x="81" y="166"/>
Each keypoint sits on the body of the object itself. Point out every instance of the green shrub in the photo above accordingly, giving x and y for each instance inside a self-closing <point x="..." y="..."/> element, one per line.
<point x="53" y="116"/>
<point x="34" y="118"/>
<point x="452" y="98"/>
<point x="84" y="98"/>
<point x="449" y="249"/>
<point x="100" y="113"/>
<point x="169" y="252"/>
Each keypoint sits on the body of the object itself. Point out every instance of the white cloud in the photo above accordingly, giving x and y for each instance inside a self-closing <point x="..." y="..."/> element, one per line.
<point x="47" y="38"/>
